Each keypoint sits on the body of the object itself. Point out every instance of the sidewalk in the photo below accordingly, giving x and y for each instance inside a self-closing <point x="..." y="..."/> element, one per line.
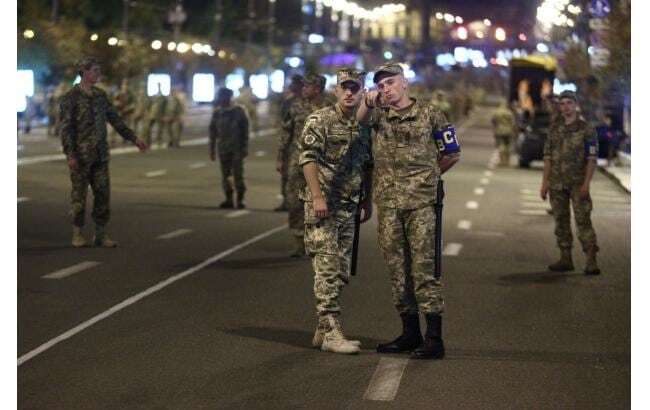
<point x="620" y="174"/>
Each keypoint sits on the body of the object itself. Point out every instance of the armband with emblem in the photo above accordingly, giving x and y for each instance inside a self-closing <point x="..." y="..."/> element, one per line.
<point x="446" y="140"/>
<point x="591" y="147"/>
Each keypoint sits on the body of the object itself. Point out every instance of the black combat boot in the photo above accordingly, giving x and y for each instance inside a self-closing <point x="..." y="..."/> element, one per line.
<point x="564" y="264"/>
<point x="432" y="347"/>
<point x="240" y="200"/>
<point x="227" y="204"/>
<point x="410" y="338"/>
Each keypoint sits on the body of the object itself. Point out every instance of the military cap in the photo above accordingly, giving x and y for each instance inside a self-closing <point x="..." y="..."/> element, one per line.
<point x="85" y="63"/>
<point x="568" y="94"/>
<point x="350" y="74"/>
<point x="315" y="79"/>
<point x="388" y="68"/>
<point x="224" y="93"/>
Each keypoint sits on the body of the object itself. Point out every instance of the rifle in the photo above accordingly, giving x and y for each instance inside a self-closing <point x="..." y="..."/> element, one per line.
<point x="440" y="195"/>
<point x="355" y="241"/>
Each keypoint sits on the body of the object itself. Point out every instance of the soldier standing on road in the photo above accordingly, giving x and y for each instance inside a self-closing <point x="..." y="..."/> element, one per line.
<point x="229" y="133"/>
<point x="174" y="111"/>
<point x="335" y="157"/>
<point x="84" y="112"/>
<point x="155" y="116"/>
<point x="125" y="105"/>
<point x="570" y="154"/>
<point x="141" y="111"/>
<point x="312" y="99"/>
<point x="409" y="154"/>
<point x="293" y="94"/>
<point x="505" y="125"/>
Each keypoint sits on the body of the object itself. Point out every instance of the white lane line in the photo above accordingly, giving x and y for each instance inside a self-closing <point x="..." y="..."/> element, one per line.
<point x="22" y="199"/>
<point x="531" y="198"/>
<point x="488" y="233"/>
<point x="526" y="191"/>
<point x="279" y="196"/>
<point x="488" y="173"/>
<point x="62" y="273"/>
<point x="386" y="379"/>
<point x="157" y="173"/>
<point x="133" y="299"/>
<point x="175" y="234"/>
<point x="237" y="214"/>
<point x="471" y="205"/>
<point x="464" y="224"/>
<point x="260" y="153"/>
<point x="535" y="205"/>
<point x="479" y="191"/>
<point x="452" y="249"/>
<point x="198" y="165"/>
<point x="485" y="181"/>
<point x="533" y="212"/>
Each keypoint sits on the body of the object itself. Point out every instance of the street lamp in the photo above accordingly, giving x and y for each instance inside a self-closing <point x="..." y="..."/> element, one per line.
<point x="94" y="37"/>
<point x="112" y="41"/>
<point x="500" y="34"/>
<point x="156" y="44"/>
<point x="29" y="34"/>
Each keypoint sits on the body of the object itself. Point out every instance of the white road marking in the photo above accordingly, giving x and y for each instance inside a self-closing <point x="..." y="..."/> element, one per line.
<point x="22" y="199"/>
<point x="488" y="173"/>
<point x="487" y="233"/>
<point x="485" y="181"/>
<point x="479" y="191"/>
<point x="386" y="379"/>
<point x="260" y="153"/>
<point x="464" y="224"/>
<point x="157" y="173"/>
<point x="237" y="214"/>
<point x="175" y="234"/>
<point x="531" y="198"/>
<point x="452" y="249"/>
<point x="279" y="196"/>
<point x="197" y="165"/>
<point x="62" y="273"/>
<point x="527" y="191"/>
<point x="133" y="299"/>
<point x="535" y="205"/>
<point x="531" y="212"/>
<point x="471" y="205"/>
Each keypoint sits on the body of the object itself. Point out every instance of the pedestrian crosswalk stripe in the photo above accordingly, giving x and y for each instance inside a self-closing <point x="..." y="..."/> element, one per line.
<point x="260" y="153"/>
<point x="175" y="234"/>
<point x="488" y="173"/>
<point x="386" y="379"/>
<point x="236" y="214"/>
<point x="471" y="205"/>
<point x="197" y="165"/>
<point x="479" y="191"/>
<point x="157" y="173"/>
<point x="464" y="224"/>
<point x="452" y="249"/>
<point x="62" y="273"/>
<point x="539" y="204"/>
<point x="533" y="212"/>
<point x="485" y="181"/>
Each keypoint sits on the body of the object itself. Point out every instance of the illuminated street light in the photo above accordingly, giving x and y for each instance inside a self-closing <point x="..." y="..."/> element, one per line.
<point x="222" y="54"/>
<point x="233" y="56"/>
<point x="439" y="16"/>
<point x="480" y="34"/>
<point x="522" y="37"/>
<point x="112" y="41"/>
<point x="171" y="46"/>
<point x="182" y="48"/>
<point x="500" y="34"/>
<point x="94" y="37"/>
<point x="487" y="22"/>
<point x="542" y="48"/>
<point x="197" y="48"/>
<point x="462" y="33"/>
<point x="459" y="20"/>
<point x="29" y="34"/>
<point x="449" y="18"/>
<point x="156" y="44"/>
<point x="388" y="55"/>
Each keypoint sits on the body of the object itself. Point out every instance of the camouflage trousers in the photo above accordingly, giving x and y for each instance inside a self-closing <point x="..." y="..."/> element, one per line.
<point x="148" y="128"/>
<point x="503" y="144"/>
<point x="232" y="168"/>
<point x="329" y="243"/>
<point x="406" y="238"/>
<point x="173" y="129"/>
<point x="284" y="178"/>
<point x="295" y="184"/>
<point x="96" y="175"/>
<point x="560" y="199"/>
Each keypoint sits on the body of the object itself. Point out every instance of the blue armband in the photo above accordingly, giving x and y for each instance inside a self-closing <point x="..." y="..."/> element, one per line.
<point x="591" y="147"/>
<point x="446" y="140"/>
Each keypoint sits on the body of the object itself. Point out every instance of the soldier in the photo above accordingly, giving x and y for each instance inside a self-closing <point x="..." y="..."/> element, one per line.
<point x="504" y="124"/>
<point x="440" y="102"/>
<point x="229" y="125"/>
<point x="174" y="111"/>
<point x="54" y="105"/>
<point x="84" y="112"/>
<point x="336" y="161"/>
<point x="411" y="149"/>
<point x="141" y="111"/>
<point x="124" y="102"/>
<point x="248" y="101"/>
<point x="155" y="116"/>
<point x="313" y="99"/>
<point x="570" y="154"/>
<point x="294" y="93"/>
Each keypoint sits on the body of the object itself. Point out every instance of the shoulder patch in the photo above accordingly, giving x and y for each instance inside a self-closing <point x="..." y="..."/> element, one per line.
<point x="309" y="139"/>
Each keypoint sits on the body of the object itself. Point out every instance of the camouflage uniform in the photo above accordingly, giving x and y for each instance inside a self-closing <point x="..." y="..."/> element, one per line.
<point x="504" y="124"/>
<point x="406" y="173"/>
<point x="124" y="102"/>
<point x="141" y="111"/>
<point x="229" y="132"/>
<point x="174" y="110"/>
<point x="83" y="135"/>
<point x="343" y="156"/>
<point x="155" y="116"/>
<point x="283" y="152"/>
<point x="569" y="147"/>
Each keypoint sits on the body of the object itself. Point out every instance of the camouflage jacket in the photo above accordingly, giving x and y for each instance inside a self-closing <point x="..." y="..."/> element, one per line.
<point x="156" y="106"/>
<point x="503" y="122"/>
<point x="568" y="147"/>
<point x="341" y="151"/>
<point x="405" y="155"/>
<point x="292" y="123"/>
<point x="174" y="108"/>
<point x="83" y="124"/>
<point x="229" y="129"/>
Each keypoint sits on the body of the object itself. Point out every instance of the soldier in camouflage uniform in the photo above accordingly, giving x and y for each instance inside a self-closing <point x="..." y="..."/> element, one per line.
<point x="504" y="124"/>
<point x="155" y="117"/>
<point x="441" y="103"/>
<point x="294" y="93"/>
<point x="570" y="154"/>
<point x="141" y="110"/>
<point x="173" y="118"/>
<point x="84" y="112"/>
<point x="124" y="102"/>
<point x="336" y="160"/>
<point x="409" y="156"/>
<point x="293" y="124"/>
<point x="229" y="132"/>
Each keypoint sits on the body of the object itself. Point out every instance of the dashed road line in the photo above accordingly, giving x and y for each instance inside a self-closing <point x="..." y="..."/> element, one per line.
<point x="535" y="205"/>
<point x="479" y="191"/>
<point x="494" y="234"/>
<point x="237" y="214"/>
<point x="471" y="205"/>
<point x="464" y="224"/>
<point x="175" y="234"/>
<point x="532" y="212"/>
<point x="157" y="173"/>
<point x="260" y="153"/>
<point x="198" y="165"/>
<point x="71" y="270"/>
<point x="488" y="173"/>
<point x="485" y="181"/>
<point x="133" y="299"/>
<point x="386" y="379"/>
<point x="452" y="249"/>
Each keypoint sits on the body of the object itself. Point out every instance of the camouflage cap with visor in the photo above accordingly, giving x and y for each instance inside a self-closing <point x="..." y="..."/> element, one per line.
<point x="350" y="74"/>
<point x="389" y="68"/>
<point x="315" y="79"/>
<point x="568" y="94"/>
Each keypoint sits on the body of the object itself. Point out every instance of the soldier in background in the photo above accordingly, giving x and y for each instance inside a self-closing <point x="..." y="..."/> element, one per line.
<point x="124" y="102"/>
<point x="155" y="117"/>
<point x="229" y="134"/>
<point x="293" y="94"/>
<point x="174" y="112"/>
<point x="247" y="100"/>
<point x="54" y="104"/>
<point x="312" y="99"/>
<point x="440" y="102"/>
<point x="336" y="161"/>
<point x="84" y="112"/>
<point x="141" y="110"/>
<point x="570" y="154"/>
<point x="505" y="126"/>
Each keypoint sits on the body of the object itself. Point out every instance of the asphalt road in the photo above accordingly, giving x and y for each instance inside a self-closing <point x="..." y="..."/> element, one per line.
<point x="203" y="308"/>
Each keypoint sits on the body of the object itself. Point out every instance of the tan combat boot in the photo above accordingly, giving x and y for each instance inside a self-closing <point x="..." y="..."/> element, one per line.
<point x="321" y="329"/>
<point x="101" y="238"/>
<point x="504" y="159"/>
<point x="334" y="341"/>
<point x="299" y="248"/>
<point x="78" y="240"/>
<point x="564" y="264"/>
<point x="591" y="267"/>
